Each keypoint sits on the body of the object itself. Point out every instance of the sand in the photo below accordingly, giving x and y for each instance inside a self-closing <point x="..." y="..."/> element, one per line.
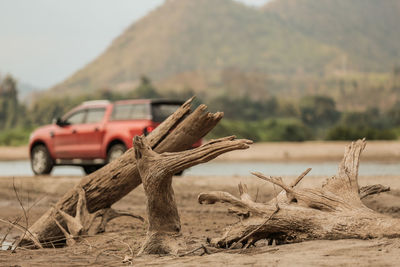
<point x="14" y="153"/>
<point x="198" y="222"/>
<point x="124" y="236"/>
<point x="278" y="151"/>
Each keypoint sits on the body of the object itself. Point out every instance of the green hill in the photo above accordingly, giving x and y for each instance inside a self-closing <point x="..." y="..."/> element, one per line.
<point x="185" y="36"/>
<point x="287" y="47"/>
<point x="366" y="30"/>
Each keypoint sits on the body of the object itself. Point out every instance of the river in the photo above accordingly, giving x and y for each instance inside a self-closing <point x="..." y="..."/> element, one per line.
<point x="220" y="168"/>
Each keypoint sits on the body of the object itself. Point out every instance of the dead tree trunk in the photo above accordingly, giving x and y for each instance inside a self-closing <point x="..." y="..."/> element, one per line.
<point x="334" y="211"/>
<point x="156" y="170"/>
<point x="112" y="182"/>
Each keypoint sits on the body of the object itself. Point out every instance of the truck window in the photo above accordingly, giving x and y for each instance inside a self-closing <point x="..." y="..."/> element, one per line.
<point x="76" y="118"/>
<point x="95" y="115"/>
<point x="130" y="112"/>
<point x="162" y="111"/>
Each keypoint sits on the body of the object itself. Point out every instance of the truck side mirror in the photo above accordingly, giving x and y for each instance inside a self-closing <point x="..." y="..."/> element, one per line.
<point x="59" y="122"/>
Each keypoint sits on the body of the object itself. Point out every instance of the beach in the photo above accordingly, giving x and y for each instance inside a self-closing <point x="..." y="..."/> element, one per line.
<point x="124" y="236"/>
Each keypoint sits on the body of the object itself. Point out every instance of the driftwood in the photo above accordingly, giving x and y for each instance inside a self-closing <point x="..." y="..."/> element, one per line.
<point x="156" y="170"/>
<point x="333" y="211"/>
<point x="112" y="182"/>
<point x="83" y="222"/>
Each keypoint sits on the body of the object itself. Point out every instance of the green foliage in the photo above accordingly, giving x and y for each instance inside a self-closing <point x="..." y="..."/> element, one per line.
<point x="47" y="109"/>
<point x="342" y="132"/>
<point x="269" y="119"/>
<point x="318" y="111"/>
<point x="145" y="89"/>
<point x="394" y="114"/>
<point x="9" y="106"/>
<point x="371" y="124"/>
<point x="270" y="130"/>
<point x="372" y="118"/>
<point x="15" y="137"/>
<point x="244" y="108"/>
<point x="284" y="130"/>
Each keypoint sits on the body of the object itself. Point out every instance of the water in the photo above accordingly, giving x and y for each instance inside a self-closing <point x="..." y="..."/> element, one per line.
<point x="22" y="168"/>
<point x="289" y="168"/>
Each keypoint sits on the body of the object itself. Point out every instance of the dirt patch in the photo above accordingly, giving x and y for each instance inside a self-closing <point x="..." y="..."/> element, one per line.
<point x="13" y="153"/>
<point x="198" y="222"/>
<point x="313" y="151"/>
<point x="278" y="151"/>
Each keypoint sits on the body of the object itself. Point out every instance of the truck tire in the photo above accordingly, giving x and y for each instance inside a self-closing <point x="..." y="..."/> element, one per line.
<point x="41" y="161"/>
<point x="115" y="152"/>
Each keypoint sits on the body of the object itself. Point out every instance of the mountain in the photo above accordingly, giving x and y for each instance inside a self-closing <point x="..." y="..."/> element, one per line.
<point x="224" y="46"/>
<point x="190" y="36"/>
<point x="26" y="90"/>
<point x="366" y="30"/>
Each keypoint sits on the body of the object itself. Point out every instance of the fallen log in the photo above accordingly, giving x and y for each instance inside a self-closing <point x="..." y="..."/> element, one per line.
<point x="333" y="211"/>
<point x="156" y="170"/>
<point x="115" y="180"/>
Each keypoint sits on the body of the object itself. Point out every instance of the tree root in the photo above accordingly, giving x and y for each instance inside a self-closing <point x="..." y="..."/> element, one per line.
<point x="333" y="211"/>
<point x="83" y="222"/>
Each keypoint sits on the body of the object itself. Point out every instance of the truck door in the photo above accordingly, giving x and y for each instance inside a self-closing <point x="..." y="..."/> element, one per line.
<point x="66" y="142"/>
<point x="90" y="134"/>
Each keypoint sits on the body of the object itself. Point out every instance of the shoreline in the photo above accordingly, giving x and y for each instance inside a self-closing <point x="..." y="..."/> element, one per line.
<point x="10" y="153"/>
<point x="310" y="151"/>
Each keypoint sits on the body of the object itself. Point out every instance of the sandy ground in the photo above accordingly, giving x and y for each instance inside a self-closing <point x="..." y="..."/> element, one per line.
<point x="13" y="153"/>
<point x="279" y="151"/>
<point x="198" y="222"/>
<point x="313" y="151"/>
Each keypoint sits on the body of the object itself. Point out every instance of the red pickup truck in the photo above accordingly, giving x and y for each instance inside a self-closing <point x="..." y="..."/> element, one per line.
<point x="95" y="133"/>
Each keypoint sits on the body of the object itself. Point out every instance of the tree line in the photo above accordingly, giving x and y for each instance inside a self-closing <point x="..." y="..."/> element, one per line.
<point x="313" y="117"/>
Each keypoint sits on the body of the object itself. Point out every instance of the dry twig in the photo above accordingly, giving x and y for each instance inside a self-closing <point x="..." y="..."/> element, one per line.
<point x="205" y="251"/>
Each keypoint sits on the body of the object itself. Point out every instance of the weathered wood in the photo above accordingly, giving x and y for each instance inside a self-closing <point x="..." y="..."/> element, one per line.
<point x="115" y="180"/>
<point x="333" y="211"/>
<point x="82" y="223"/>
<point x="156" y="170"/>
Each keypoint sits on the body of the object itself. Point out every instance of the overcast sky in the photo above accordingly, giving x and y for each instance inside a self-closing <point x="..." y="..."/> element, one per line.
<point x="42" y="42"/>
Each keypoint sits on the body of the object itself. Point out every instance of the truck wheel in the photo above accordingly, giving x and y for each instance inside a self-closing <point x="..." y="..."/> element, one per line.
<point x="41" y="161"/>
<point x="115" y="152"/>
<point x="91" y="168"/>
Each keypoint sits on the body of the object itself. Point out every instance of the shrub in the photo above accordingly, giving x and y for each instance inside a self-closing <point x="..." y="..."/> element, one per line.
<point x="15" y="137"/>
<point x="342" y="132"/>
<point x="270" y="130"/>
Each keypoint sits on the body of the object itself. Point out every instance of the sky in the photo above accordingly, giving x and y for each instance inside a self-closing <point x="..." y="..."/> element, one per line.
<point x="43" y="42"/>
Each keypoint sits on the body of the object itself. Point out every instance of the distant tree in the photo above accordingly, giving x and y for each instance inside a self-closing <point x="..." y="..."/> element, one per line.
<point x="396" y="78"/>
<point x="145" y="89"/>
<point x="244" y="108"/>
<point x="342" y="132"/>
<point x="371" y="118"/>
<point x="394" y="115"/>
<point x="318" y="111"/>
<point x="9" y="106"/>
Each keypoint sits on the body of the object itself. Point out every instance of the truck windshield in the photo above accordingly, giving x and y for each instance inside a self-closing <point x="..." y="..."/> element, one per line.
<point x="130" y="112"/>
<point x="161" y="111"/>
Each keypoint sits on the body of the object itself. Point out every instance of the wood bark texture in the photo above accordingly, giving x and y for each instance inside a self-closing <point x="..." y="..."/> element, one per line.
<point x="157" y="170"/>
<point x="83" y="222"/>
<point x="333" y="211"/>
<point x="115" y="180"/>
